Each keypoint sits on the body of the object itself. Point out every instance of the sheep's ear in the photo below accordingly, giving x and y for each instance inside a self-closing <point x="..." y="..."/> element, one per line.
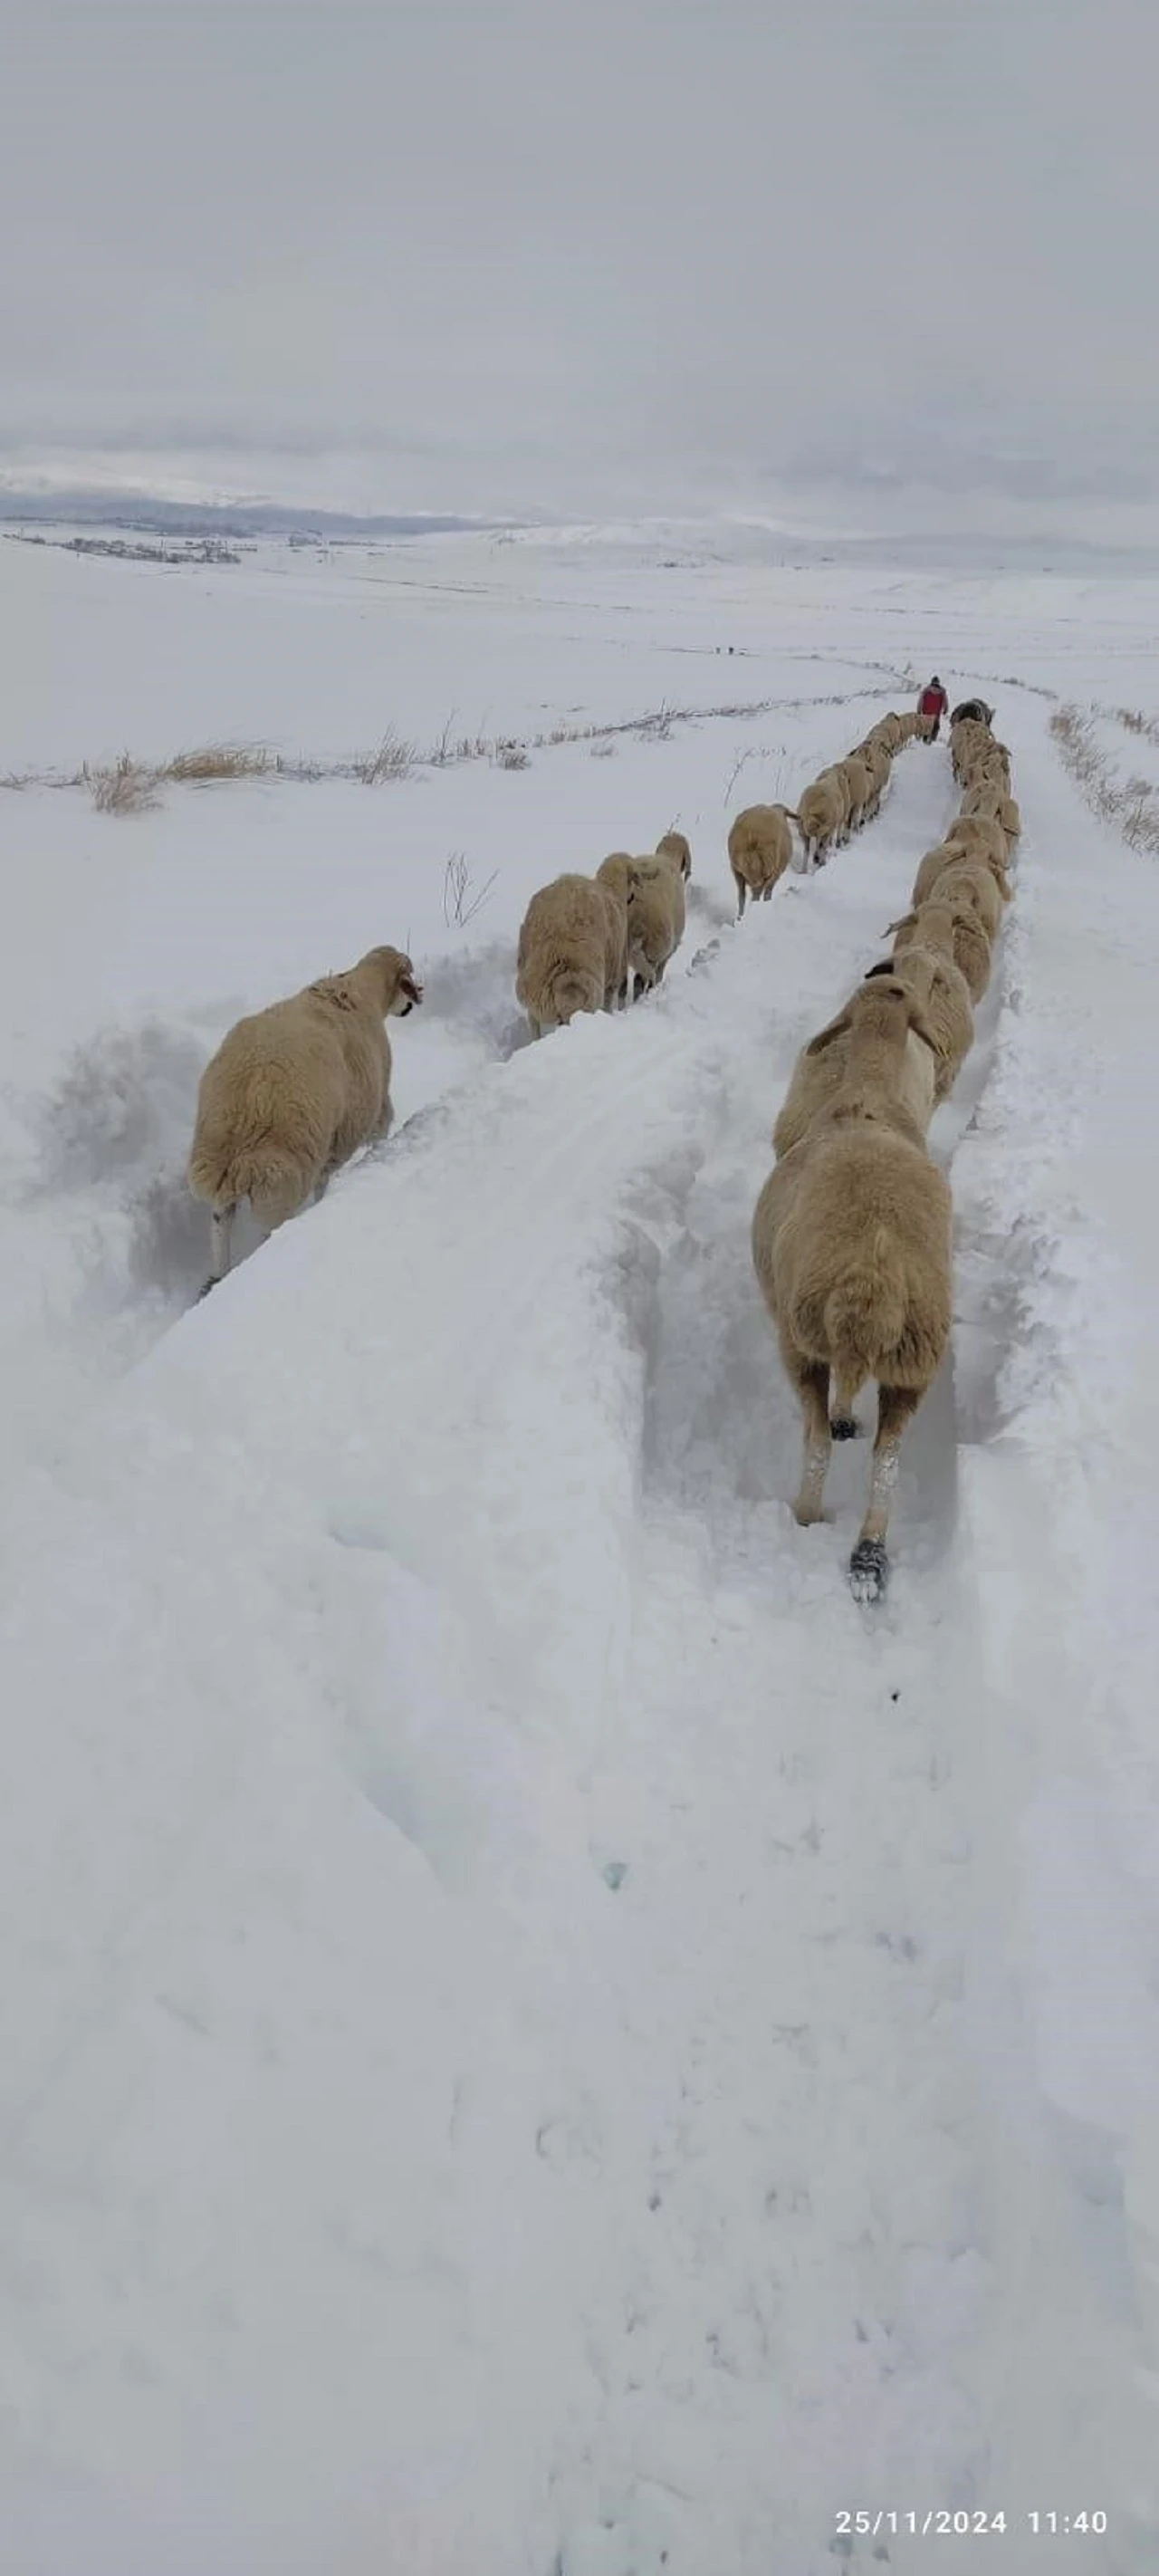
<point x="884" y="966"/>
<point x="824" y="1038"/>
<point x="906" y="923"/>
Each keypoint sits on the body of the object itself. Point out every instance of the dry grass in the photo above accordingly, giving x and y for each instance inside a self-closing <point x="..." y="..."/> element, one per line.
<point x="1130" y="806"/>
<point x="1136" y="722"/>
<point x="460" y="903"/>
<point x="393" y="759"/>
<point x="127" y="788"/>
<point x="133" y="786"/>
<point x="217" y="760"/>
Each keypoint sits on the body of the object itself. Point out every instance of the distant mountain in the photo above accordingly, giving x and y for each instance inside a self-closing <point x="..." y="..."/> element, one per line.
<point x="105" y="509"/>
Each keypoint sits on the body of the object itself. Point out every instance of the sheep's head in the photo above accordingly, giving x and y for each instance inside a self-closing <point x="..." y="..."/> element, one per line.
<point x="619" y="875"/>
<point x="675" y="847"/>
<point x="398" y="984"/>
<point x="883" y="1008"/>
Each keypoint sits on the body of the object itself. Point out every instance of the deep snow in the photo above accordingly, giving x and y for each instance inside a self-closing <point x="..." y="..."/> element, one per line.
<point x="539" y="2036"/>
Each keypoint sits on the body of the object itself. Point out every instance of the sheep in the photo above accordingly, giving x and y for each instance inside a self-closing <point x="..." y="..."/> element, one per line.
<point x="971" y="882"/>
<point x="819" y="818"/>
<point x="948" y="859"/>
<point x="760" y="848"/>
<point x="820" y="1068"/>
<point x="989" y="799"/>
<point x="876" y="759"/>
<point x="856" y="780"/>
<point x="968" y="744"/>
<point x="888" y="732"/>
<point x="985" y="762"/>
<point x="653" y="891"/>
<point x="293" y="1092"/>
<point x="953" y="927"/>
<point x="983" y="836"/>
<point x="972" y="711"/>
<point x="573" y="949"/>
<point x="835" y="778"/>
<point x="674" y="845"/>
<point x="851" y="1243"/>
<point x="939" y="985"/>
<point x="618" y="875"/>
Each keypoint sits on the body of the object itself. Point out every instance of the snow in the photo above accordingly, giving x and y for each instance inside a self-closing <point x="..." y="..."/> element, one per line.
<point x="541" y="2039"/>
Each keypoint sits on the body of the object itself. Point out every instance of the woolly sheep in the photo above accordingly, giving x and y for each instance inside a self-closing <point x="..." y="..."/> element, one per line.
<point x="972" y="710"/>
<point x="940" y="987"/>
<point x="956" y="926"/>
<point x="760" y="848"/>
<point x="875" y="758"/>
<point x="952" y="853"/>
<point x="573" y="950"/>
<point x="856" y="780"/>
<point x="820" y="816"/>
<point x="653" y="890"/>
<point x="955" y="929"/>
<point x="618" y="874"/>
<point x="990" y="800"/>
<point x="821" y="1066"/>
<point x="968" y="743"/>
<point x="851" y="1242"/>
<point x="839" y="790"/>
<point x="982" y="836"/>
<point x="972" y="883"/>
<point x="293" y="1092"/>
<point x="674" y="846"/>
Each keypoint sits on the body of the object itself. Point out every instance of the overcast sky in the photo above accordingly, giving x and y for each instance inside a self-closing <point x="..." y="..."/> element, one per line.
<point x="509" y="251"/>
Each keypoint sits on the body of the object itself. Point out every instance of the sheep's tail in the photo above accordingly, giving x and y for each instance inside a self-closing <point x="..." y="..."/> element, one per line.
<point x="865" y="1316"/>
<point x="570" y="993"/>
<point x="260" y="1173"/>
<point x="794" y="817"/>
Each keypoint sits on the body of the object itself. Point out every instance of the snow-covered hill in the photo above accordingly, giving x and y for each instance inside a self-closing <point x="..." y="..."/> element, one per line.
<point x="540" y="2039"/>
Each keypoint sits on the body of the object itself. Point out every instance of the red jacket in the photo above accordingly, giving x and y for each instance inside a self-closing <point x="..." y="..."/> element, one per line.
<point x="933" y="702"/>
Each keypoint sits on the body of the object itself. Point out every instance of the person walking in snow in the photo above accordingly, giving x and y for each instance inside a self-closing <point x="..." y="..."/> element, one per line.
<point x="932" y="706"/>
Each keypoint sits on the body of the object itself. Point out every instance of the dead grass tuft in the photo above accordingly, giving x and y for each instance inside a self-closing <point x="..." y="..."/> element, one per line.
<point x="127" y="788"/>
<point x="217" y="760"/>
<point x="394" y="758"/>
<point x="1130" y="806"/>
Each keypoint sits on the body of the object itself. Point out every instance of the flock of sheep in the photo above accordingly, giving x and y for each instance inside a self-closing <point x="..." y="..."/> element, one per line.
<point x="851" y="1234"/>
<point x="295" y="1090"/>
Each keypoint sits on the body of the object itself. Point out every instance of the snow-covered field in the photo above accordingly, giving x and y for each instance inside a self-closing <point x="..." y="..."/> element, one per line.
<point x="541" y="2040"/>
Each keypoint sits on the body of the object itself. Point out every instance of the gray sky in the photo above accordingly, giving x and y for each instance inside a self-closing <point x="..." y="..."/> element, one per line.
<point x="512" y="249"/>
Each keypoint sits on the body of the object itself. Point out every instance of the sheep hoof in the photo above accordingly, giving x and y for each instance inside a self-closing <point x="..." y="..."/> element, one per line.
<point x="868" y="1570"/>
<point x="843" y="1427"/>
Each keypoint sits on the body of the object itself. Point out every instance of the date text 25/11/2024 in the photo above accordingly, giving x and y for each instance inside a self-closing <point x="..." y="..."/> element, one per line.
<point x="937" y="2520"/>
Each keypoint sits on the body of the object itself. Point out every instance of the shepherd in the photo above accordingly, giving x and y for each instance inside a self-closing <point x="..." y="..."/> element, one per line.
<point x="932" y="706"/>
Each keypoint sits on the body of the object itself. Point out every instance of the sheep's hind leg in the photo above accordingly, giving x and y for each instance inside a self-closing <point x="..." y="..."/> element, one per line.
<point x="812" y="1385"/>
<point x="869" y="1564"/>
<point x="220" y="1229"/>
